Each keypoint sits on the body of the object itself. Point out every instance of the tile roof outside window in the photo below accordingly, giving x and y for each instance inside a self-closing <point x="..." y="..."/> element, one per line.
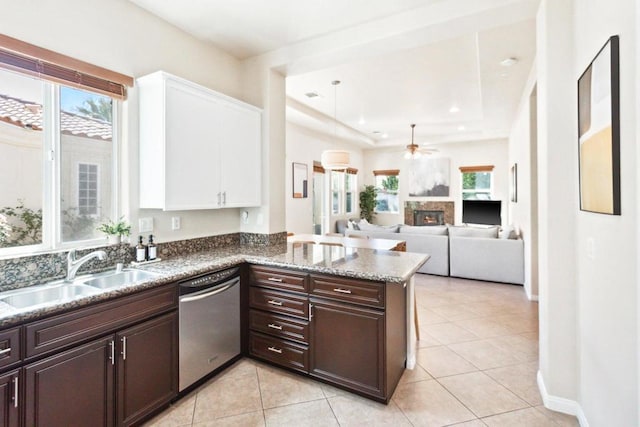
<point x="27" y="114"/>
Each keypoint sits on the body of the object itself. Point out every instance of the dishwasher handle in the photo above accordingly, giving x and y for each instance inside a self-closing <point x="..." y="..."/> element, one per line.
<point x="210" y="292"/>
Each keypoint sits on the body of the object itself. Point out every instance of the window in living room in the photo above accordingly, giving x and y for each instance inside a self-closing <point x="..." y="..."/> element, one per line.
<point x="387" y="184"/>
<point x="350" y="187"/>
<point x="477" y="182"/>
<point x="337" y="188"/>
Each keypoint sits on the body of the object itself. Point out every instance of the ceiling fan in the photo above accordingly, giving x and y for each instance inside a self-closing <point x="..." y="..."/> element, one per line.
<point x="414" y="151"/>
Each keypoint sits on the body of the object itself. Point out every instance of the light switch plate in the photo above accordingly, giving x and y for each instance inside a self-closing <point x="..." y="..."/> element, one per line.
<point x="145" y="225"/>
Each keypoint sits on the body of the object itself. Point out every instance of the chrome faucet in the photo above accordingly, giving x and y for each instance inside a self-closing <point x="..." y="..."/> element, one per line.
<point x="73" y="264"/>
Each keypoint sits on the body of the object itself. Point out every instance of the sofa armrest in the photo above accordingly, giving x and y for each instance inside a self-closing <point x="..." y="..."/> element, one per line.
<point x="495" y="260"/>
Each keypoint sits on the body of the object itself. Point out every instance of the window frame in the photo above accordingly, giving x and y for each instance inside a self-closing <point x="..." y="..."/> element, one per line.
<point x="476" y="169"/>
<point x="354" y="189"/>
<point x="385" y="174"/>
<point x="51" y="176"/>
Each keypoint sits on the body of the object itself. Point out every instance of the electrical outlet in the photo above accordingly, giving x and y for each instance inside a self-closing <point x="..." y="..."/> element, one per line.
<point x="145" y="225"/>
<point x="175" y="223"/>
<point x="591" y="248"/>
<point x="244" y="215"/>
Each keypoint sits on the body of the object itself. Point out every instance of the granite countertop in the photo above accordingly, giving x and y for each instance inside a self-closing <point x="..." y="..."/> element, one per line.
<point x="368" y="264"/>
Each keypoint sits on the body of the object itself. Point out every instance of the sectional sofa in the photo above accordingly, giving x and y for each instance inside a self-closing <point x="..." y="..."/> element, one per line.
<point x="468" y="252"/>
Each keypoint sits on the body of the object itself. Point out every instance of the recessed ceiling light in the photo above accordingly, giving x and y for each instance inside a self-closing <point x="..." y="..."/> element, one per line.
<point x="461" y="127"/>
<point x="311" y="94"/>
<point x="376" y="132"/>
<point x="384" y="135"/>
<point x="454" y="109"/>
<point x="508" y="62"/>
<point x="361" y="121"/>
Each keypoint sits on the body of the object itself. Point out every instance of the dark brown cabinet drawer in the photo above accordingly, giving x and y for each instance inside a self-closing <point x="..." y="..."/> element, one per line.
<point x="279" y="279"/>
<point x="9" y="347"/>
<point x="348" y="290"/>
<point x="280" y="352"/>
<point x="74" y="327"/>
<point x="279" y="302"/>
<point x="279" y="326"/>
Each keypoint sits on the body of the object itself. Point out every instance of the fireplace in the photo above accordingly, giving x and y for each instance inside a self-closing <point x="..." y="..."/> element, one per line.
<point x="428" y="217"/>
<point x="431" y="208"/>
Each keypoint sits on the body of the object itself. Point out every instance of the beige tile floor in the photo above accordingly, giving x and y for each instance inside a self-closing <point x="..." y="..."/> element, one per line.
<point x="477" y="363"/>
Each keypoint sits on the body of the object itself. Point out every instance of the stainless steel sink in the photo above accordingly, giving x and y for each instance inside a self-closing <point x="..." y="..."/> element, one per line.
<point x="32" y="297"/>
<point x="113" y="279"/>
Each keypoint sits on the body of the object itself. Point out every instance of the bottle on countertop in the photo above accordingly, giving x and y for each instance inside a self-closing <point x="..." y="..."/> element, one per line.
<point x="141" y="251"/>
<point x="152" y="249"/>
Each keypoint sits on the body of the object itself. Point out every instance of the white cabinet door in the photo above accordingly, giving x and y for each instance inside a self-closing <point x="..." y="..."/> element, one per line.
<point x="199" y="149"/>
<point x="193" y="132"/>
<point x="241" y="158"/>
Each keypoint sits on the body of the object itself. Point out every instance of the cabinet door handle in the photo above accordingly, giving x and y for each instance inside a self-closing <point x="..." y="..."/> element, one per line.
<point x="5" y="351"/>
<point x="219" y="199"/>
<point x="276" y="327"/>
<point x="224" y="198"/>
<point x="310" y="312"/>
<point x="274" y="279"/>
<point x="15" y="391"/>
<point x="342" y="291"/>
<point x="275" y="350"/>
<point x="124" y="348"/>
<point x="113" y="352"/>
<point x="274" y="302"/>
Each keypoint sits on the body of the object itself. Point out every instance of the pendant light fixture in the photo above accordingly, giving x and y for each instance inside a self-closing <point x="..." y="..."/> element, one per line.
<point x="335" y="159"/>
<point x="412" y="152"/>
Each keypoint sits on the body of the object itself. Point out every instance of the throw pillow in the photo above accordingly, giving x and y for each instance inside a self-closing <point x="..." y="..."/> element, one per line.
<point x="439" y="230"/>
<point x="508" y="232"/>
<point x="379" y="228"/>
<point x="489" y="232"/>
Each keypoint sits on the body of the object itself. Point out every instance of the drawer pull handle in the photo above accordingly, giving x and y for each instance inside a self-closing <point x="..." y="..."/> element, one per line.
<point x="342" y="291"/>
<point x="5" y="351"/>
<point x="273" y="302"/>
<point x="275" y="279"/>
<point x="275" y="350"/>
<point x="277" y="327"/>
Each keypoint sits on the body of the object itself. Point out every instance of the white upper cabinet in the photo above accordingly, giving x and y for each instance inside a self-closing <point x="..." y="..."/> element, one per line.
<point x="199" y="149"/>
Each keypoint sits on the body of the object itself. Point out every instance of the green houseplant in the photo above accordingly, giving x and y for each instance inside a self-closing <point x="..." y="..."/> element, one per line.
<point x="115" y="229"/>
<point x="368" y="202"/>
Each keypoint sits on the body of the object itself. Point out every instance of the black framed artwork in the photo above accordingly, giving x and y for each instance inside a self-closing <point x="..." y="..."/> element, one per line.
<point x="599" y="132"/>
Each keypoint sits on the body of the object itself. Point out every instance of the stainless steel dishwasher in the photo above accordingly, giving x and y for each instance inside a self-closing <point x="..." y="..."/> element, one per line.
<point x="209" y="319"/>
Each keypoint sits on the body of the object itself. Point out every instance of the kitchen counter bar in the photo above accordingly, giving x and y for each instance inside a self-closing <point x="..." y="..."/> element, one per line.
<point x="367" y="264"/>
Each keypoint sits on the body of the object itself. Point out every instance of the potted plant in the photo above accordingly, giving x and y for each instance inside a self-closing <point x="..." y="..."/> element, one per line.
<point x="115" y="230"/>
<point x="368" y="202"/>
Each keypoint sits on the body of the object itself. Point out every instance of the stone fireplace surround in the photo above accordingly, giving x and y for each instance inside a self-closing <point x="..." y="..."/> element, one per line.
<point x="446" y="207"/>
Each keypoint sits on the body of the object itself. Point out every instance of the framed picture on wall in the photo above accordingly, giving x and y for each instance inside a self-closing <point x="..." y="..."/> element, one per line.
<point x="599" y="132"/>
<point x="299" y="176"/>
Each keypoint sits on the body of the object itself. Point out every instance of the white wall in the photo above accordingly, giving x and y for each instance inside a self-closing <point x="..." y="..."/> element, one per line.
<point x="522" y="151"/>
<point x="588" y="298"/>
<point x="118" y="35"/>
<point x="608" y="281"/>
<point x="305" y="146"/>
<point x="493" y="152"/>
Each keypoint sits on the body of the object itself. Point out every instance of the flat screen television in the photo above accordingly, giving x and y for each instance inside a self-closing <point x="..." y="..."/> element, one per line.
<point x="481" y="212"/>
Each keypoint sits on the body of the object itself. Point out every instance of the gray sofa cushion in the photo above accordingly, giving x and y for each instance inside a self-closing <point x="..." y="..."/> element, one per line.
<point x="489" y="232"/>
<point x="439" y="230"/>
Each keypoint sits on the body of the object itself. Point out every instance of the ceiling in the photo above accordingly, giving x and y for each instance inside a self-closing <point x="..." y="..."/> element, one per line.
<point x="436" y="63"/>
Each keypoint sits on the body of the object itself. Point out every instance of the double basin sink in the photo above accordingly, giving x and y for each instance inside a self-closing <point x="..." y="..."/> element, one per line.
<point x="62" y="291"/>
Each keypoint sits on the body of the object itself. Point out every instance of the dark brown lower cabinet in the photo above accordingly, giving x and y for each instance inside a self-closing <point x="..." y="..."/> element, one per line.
<point x="76" y="387"/>
<point x="146" y="367"/>
<point x="72" y="387"/>
<point x="348" y="346"/>
<point x="9" y="399"/>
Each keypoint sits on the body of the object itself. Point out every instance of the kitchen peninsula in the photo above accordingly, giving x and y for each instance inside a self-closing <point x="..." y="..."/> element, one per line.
<point x="351" y="306"/>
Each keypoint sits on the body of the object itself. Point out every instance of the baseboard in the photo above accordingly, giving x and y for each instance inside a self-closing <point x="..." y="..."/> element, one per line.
<point x="530" y="297"/>
<point x="560" y="404"/>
